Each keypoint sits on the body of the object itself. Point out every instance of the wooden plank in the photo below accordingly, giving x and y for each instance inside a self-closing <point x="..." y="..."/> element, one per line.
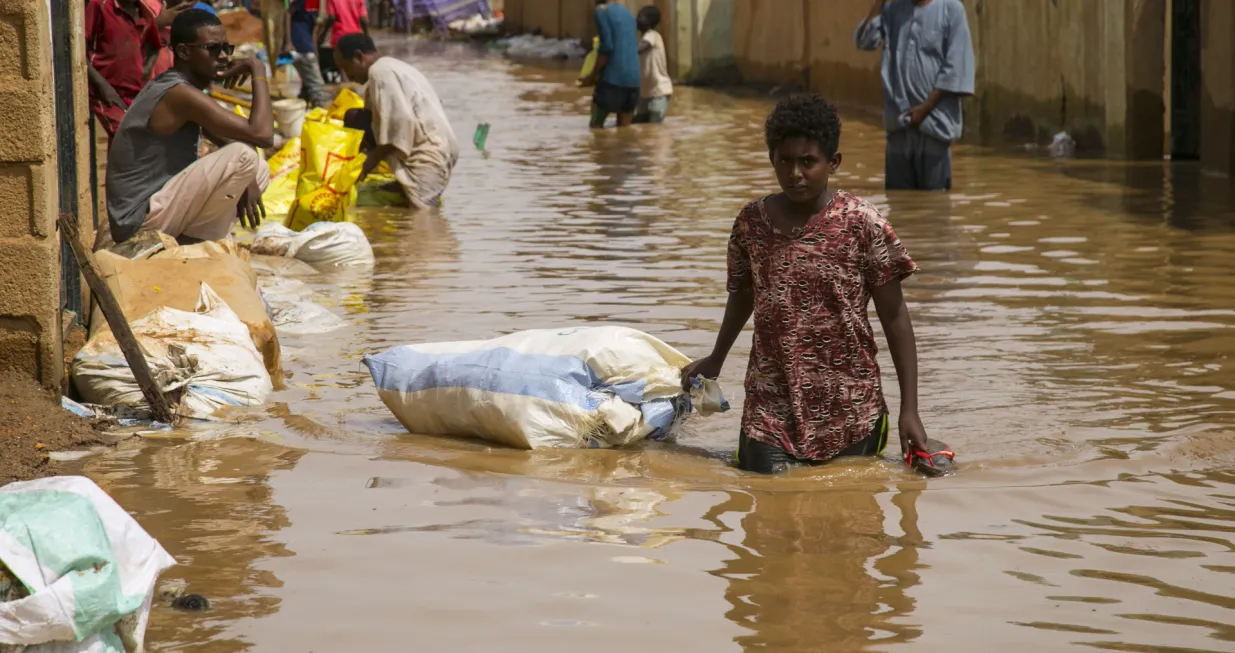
<point x="160" y="406"/>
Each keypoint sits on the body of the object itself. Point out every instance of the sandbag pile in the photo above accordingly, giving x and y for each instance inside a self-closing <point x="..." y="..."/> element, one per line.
<point x="205" y="359"/>
<point x="594" y="387"/>
<point x="164" y="274"/>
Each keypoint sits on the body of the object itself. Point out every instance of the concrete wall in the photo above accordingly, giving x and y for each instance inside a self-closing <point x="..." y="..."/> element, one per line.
<point x="29" y="246"/>
<point x="769" y="41"/>
<point x="710" y="29"/>
<point x="1217" y="85"/>
<point x="1091" y="68"/>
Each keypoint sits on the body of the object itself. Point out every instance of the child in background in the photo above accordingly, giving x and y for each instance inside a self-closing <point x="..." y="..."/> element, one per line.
<point x="806" y="262"/>
<point x="124" y="50"/>
<point x="341" y="17"/>
<point x="657" y="87"/>
<point x="300" y="23"/>
<point x="616" y="75"/>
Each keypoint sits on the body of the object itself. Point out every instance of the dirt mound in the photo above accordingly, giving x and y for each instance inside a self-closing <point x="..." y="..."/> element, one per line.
<point x="32" y="424"/>
<point x="242" y="27"/>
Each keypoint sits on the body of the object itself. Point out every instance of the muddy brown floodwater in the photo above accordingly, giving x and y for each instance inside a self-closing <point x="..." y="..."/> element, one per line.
<point x="1074" y="322"/>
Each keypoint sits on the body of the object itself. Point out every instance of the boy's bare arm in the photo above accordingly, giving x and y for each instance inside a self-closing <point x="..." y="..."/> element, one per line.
<point x="104" y="88"/>
<point x="898" y="328"/>
<point x="738" y="309"/>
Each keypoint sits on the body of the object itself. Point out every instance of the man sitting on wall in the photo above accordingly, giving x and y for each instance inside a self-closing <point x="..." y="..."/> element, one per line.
<point x="928" y="66"/>
<point x="155" y="180"/>
<point x="403" y="119"/>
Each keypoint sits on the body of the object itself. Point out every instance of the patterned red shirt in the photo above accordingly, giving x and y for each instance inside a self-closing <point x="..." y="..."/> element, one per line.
<point x="812" y="384"/>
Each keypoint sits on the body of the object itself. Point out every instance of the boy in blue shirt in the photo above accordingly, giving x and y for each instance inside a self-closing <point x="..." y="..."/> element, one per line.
<point x="299" y="27"/>
<point x="616" y="75"/>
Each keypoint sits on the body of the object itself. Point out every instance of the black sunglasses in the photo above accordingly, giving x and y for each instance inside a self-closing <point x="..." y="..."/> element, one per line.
<point x="216" y="49"/>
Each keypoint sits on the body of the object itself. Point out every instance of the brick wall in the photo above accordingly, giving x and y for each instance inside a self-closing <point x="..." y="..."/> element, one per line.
<point x="29" y="246"/>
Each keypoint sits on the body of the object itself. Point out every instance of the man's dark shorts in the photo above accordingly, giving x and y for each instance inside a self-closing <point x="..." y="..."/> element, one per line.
<point x="615" y="99"/>
<point x="755" y="456"/>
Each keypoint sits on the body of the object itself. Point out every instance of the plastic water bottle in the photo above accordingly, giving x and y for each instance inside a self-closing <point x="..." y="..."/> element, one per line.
<point x="481" y="135"/>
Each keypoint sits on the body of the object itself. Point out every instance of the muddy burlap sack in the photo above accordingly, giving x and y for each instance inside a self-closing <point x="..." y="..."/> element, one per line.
<point x="172" y="277"/>
<point x="203" y="358"/>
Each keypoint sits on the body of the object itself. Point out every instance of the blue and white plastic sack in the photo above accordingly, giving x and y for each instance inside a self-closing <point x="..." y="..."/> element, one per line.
<point x="88" y="567"/>
<point x="552" y="388"/>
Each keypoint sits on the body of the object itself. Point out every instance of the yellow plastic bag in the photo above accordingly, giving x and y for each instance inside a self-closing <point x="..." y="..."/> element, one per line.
<point x="284" y="175"/>
<point x="317" y="114"/>
<point x="589" y="62"/>
<point x="330" y="202"/>
<point x="286" y="160"/>
<point x="325" y="149"/>
<point x="330" y="164"/>
<point x="345" y="101"/>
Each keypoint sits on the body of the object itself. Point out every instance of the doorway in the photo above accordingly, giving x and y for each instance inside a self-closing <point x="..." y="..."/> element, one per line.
<point x="1185" y="79"/>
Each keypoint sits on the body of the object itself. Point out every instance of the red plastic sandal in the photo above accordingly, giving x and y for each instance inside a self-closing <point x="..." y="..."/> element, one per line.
<point x="938" y="460"/>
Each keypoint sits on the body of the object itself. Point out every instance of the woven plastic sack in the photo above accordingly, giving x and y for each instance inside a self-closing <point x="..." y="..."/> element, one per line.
<point x="345" y="101"/>
<point x="205" y="357"/>
<point x="330" y="165"/>
<point x="85" y="571"/>
<point x="284" y="175"/>
<point x="321" y="243"/>
<point x="553" y="388"/>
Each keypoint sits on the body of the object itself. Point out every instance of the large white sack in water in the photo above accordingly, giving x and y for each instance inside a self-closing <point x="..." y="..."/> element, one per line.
<point x="88" y="567"/>
<point x="586" y="387"/>
<point x="321" y="243"/>
<point x="207" y="354"/>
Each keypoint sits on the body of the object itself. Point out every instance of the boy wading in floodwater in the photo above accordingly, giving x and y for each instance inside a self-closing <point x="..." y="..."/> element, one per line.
<point x="807" y="262"/>
<point x="616" y="76"/>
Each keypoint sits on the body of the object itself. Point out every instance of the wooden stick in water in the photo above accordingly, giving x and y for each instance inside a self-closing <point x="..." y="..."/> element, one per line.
<point x="160" y="407"/>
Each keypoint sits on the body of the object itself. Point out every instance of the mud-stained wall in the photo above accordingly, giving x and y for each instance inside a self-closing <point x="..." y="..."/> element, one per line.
<point x="769" y="41"/>
<point x="837" y="68"/>
<point x="1218" y="85"/>
<point x="1043" y="66"/>
<point x="1040" y="70"/>
<point x="570" y="19"/>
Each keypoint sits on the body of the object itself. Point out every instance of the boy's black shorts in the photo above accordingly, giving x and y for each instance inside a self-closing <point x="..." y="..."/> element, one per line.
<point x="615" y="99"/>
<point x="755" y="456"/>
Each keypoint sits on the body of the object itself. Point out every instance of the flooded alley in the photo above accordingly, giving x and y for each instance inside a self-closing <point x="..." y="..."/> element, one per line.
<point x="1074" y="323"/>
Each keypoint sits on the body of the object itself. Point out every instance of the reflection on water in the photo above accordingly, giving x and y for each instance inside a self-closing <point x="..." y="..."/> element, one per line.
<point x="1074" y="323"/>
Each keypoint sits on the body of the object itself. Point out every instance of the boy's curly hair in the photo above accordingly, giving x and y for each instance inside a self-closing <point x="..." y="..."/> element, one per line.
<point x="804" y="116"/>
